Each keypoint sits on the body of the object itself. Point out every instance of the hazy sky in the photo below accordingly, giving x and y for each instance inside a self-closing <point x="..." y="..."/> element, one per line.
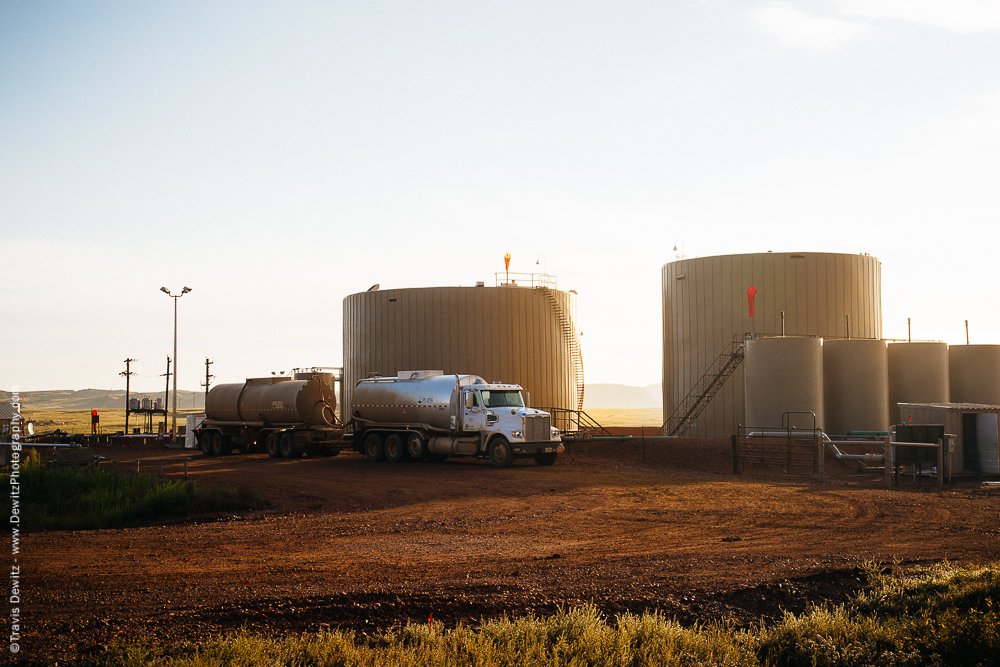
<point x="278" y="156"/>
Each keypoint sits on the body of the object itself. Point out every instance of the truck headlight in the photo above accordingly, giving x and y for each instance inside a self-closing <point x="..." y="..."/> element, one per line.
<point x="555" y="432"/>
<point x="517" y="434"/>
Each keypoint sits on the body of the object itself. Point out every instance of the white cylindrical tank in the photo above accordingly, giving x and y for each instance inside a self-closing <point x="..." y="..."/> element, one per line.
<point x="827" y="295"/>
<point x="974" y="374"/>
<point x="520" y="335"/>
<point x="918" y="373"/>
<point x="855" y="386"/>
<point x="784" y="375"/>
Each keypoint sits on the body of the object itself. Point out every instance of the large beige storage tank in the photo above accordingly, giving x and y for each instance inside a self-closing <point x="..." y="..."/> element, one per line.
<point x="784" y="375"/>
<point x="855" y="386"/>
<point x="974" y="374"/>
<point x="918" y="373"/>
<point x="705" y="306"/>
<point x="520" y="335"/>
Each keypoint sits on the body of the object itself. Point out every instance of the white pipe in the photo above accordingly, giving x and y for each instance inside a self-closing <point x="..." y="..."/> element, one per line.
<point x="831" y="445"/>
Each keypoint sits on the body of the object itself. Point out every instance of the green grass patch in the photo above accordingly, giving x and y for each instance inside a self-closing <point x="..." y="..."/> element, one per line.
<point x="942" y="615"/>
<point x="69" y="498"/>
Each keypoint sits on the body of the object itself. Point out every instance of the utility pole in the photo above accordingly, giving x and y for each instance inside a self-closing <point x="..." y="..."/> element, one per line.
<point x="207" y="377"/>
<point x="173" y="427"/>
<point x="166" y="396"/>
<point x="128" y="374"/>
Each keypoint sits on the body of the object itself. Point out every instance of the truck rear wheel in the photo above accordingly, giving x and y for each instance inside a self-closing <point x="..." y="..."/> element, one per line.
<point x="271" y="445"/>
<point x="395" y="450"/>
<point x="373" y="449"/>
<point x="546" y="459"/>
<point x="501" y="453"/>
<point x="287" y="446"/>
<point x="416" y="447"/>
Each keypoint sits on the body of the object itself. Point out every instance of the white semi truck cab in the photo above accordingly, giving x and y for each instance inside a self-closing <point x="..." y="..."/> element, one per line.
<point x="426" y="414"/>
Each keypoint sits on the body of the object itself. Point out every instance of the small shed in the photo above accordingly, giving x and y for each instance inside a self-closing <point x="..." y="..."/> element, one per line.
<point x="7" y="415"/>
<point x="976" y="449"/>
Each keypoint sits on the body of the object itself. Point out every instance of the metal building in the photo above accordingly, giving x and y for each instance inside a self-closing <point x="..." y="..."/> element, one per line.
<point x="522" y="335"/>
<point x="705" y="307"/>
<point x="976" y="448"/>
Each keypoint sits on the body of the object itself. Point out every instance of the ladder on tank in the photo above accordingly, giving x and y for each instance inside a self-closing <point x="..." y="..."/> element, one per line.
<point x="572" y="344"/>
<point x="705" y="389"/>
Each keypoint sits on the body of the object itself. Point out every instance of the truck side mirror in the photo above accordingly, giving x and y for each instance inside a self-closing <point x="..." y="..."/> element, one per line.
<point x="468" y="399"/>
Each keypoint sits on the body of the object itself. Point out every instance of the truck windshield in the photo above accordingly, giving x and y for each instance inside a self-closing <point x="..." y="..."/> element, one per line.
<point x="502" y="399"/>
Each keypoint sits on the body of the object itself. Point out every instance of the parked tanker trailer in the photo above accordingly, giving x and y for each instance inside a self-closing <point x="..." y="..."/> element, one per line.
<point x="286" y="416"/>
<point x="426" y="414"/>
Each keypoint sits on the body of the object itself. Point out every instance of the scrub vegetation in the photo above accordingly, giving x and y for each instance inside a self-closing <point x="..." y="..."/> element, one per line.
<point x="70" y="498"/>
<point x="943" y="615"/>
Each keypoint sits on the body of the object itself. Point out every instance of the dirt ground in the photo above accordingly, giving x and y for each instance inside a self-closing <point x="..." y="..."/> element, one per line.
<point x="351" y="544"/>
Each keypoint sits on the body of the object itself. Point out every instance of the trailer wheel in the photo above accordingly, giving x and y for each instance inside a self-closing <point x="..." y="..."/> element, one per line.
<point x="271" y="445"/>
<point x="205" y="442"/>
<point x="287" y="446"/>
<point x="220" y="444"/>
<point x="374" y="451"/>
<point x="546" y="459"/>
<point x="416" y="447"/>
<point x="501" y="453"/>
<point x="395" y="450"/>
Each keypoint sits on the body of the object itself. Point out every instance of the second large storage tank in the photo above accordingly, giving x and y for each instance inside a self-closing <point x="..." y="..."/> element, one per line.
<point x="974" y="374"/>
<point x="705" y="306"/>
<point x="522" y="335"/>
<point x="855" y="386"/>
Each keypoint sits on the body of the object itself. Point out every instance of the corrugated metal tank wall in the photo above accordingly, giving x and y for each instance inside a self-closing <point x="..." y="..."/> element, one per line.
<point x="784" y="375"/>
<point x="918" y="373"/>
<point x="508" y="334"/>
<point x="974" y="374"/>
<point x="705" y="306"/>
<point x="855" y="385"/>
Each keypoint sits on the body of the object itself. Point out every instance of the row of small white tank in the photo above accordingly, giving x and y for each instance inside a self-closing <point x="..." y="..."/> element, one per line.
<point x="145" y="404"/>
<point x="857" y="384"/>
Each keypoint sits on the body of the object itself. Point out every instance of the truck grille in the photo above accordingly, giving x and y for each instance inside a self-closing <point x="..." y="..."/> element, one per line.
<point x="536" y="428"/>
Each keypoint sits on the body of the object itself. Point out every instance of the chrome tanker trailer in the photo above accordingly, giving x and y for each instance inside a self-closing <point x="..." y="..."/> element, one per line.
<point x="285" y="416"/>
<point x="422" y="414"/>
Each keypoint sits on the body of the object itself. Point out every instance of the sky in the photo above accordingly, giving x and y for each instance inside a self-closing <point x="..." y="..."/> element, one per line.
<point x="278" y="156"/>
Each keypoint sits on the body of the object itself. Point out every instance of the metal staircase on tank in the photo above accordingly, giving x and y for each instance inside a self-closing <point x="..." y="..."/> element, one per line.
<point x="705" y="389"/>
<point x="569" y="338"/>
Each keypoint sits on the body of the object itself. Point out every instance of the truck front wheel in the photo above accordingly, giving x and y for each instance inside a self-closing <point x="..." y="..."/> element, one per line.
<point x="416" y="447"/>
<point x="501" y="453"/>
<point x="374" y="450"/>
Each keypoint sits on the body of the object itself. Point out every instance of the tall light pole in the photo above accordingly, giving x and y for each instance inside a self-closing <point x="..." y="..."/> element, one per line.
<point x="173" y="424"/>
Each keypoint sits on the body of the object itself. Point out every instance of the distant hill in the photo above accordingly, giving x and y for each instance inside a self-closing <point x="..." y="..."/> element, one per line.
<point x="596" y="396"/>
<point x="91" y="399"/>
<point x="621" y="396"/>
